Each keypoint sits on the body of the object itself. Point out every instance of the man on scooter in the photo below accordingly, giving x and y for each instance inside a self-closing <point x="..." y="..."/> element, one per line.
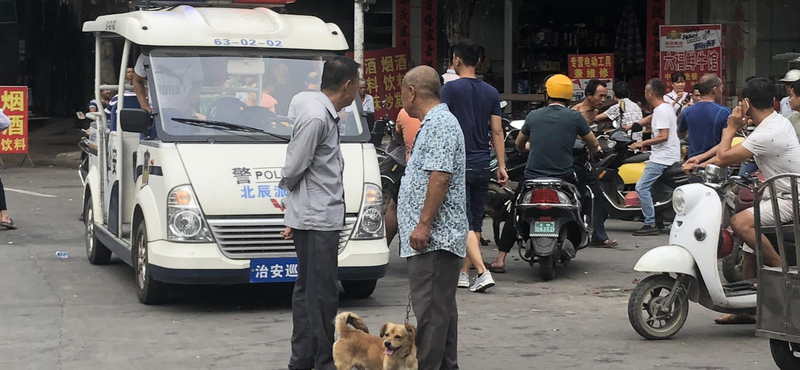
<point x="549" y="134"/>
<point x="776" y="150"/>
<point x="666" y="151"/>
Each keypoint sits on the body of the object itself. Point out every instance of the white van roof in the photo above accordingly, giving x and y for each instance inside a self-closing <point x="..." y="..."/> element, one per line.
<point x="225" y="27"/>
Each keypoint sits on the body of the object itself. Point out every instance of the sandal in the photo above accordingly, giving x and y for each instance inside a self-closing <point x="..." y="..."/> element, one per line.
<point x="608" y="243"/>
<point x="495" y="270"/>
<point x="9" y="225"/>
<point x="735" y="320"/>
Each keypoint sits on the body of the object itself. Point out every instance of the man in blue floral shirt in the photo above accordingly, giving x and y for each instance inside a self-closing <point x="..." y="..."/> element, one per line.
<point x="432" y="219"/>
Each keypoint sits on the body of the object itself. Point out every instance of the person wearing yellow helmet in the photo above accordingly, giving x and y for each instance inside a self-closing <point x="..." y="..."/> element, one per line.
<point x="549" y="135"/>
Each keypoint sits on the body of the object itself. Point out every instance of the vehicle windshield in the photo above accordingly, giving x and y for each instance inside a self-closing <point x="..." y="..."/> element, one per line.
<point x="249" y="88"/>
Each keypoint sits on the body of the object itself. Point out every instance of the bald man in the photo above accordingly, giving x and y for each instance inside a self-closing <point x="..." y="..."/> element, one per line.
<point x="433" y="223"/>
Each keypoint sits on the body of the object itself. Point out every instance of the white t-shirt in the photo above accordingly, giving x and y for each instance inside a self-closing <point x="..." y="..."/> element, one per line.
<point x="174" y="78"/>
<point x="672" y="96"/>
<point x="775" y="148"/>
<point x="668" y="152"/>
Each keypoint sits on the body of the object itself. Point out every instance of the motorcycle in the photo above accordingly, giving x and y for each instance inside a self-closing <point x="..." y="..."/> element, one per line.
<point x="618" y="172"/>
<point x="500" y="199"/>
<point x="551" y="221"/>
<point x="686" y="269"/>
<point x="391" y="157"/>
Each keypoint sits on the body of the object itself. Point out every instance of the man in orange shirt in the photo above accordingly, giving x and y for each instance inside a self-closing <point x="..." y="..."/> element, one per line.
<point x="405" y="132"/>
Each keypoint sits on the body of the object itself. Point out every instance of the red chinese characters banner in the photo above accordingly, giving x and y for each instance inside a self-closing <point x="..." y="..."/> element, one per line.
<point x="585" y="67"/>
<point x="14" y="102"/>
<point x="429" y="30"/>
<point x="402" y="24"/>
<point x="384" y="70"/>
<point x="656" y="11"/>
<point x="694" y="50"/>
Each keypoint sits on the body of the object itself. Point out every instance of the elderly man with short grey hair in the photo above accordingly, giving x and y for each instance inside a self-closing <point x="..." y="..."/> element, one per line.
<point x="432" y="219"/>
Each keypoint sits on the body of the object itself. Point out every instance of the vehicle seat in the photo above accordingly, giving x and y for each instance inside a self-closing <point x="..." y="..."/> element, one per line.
<point x="673" y="170"/>
<point x="226" y="109"/>
<point x="639" y="158"/>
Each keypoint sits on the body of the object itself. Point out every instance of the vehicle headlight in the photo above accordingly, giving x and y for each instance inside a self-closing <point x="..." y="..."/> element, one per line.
<point x="185" y="221"/>
<point x="678" y="201"/>
<point x="370" y="218"/>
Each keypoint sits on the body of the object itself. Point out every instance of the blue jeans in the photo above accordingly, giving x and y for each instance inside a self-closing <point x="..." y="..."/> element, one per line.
<point x="644" y="188"/>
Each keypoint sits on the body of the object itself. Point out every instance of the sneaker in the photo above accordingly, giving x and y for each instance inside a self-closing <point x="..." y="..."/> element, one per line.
<point x="482" y="282"/>
<point x="463" y="280"/>
<point x="646" y="230"/>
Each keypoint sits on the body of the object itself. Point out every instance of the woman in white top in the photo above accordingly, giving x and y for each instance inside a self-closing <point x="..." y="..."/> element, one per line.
<point x="678" y="97"/>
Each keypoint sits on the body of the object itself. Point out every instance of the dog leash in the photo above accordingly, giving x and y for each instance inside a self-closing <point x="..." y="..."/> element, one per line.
<point x="408" y="308"/>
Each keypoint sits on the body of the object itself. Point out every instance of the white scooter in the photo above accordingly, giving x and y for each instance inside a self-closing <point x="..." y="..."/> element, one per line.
<point x="686" y="269"/>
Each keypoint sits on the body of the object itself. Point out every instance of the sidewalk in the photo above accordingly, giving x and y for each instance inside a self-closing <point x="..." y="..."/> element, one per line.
<point x="54" y="144"/>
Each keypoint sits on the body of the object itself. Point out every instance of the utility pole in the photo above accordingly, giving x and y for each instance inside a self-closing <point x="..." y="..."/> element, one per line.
<point x="358" y="38"/>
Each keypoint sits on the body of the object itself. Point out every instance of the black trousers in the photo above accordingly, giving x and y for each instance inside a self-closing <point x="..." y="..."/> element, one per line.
<point x="3" y="206"/>
<point x="433" y="277"/>
<point x="315" y="300"/>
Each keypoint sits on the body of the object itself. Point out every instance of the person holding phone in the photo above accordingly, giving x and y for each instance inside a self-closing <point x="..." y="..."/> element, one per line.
<point x="678" y="97"/>
<point x="776" y="150"/>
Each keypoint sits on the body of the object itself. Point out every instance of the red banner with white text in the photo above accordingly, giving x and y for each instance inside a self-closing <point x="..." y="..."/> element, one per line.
<point x="694" y="50"/>
<point x="384" y="70"/>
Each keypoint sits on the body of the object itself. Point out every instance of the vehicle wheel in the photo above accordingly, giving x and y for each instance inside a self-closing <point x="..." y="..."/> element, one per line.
<point x="387" y="192"/>
<point x="96" y="252"/>
<point x="547" y="267"/>
<point x="359" y="288"/>
<point x="645" y="311"/>
<point x="148" y="290"/>
<point x="732" y="265"/>
<point x="786" y="355"/>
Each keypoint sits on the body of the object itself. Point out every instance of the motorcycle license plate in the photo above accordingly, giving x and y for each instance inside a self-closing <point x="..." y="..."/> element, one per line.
<point x="544" y="227"/>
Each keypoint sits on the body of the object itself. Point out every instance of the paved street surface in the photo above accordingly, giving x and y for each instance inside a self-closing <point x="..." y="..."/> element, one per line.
<point x="67" y="314"/>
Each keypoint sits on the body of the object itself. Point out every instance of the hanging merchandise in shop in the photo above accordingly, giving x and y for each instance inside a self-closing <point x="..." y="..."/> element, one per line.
<point x="429" y="32"/>
<point x="583" y="68"/>
<point x="694" y="50"/>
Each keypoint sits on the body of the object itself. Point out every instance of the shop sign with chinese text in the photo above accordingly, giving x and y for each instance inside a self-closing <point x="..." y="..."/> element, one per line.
<point x="14" y="102"/>
<point x="694" y="50"/>
<point x="384" y="70"/>
<point x="585" y="67"/>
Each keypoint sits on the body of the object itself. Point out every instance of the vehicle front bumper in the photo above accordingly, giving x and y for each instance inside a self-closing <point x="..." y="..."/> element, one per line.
<point x="204" y="263"/>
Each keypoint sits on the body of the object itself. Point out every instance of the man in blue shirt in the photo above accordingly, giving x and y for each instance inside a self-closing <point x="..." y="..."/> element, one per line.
<point x="476" y="105"/>
<point x="704" y="121"/>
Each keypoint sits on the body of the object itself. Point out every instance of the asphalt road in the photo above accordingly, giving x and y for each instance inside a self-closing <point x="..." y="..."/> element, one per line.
<point x="67" y="314"/>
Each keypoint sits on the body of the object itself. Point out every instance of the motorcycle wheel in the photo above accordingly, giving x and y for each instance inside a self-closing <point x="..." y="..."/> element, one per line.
<point x="547" y="267"/>
<point x="732" y="265"/>
<point x="647" y="316"/>
<point x="785" y="354"/>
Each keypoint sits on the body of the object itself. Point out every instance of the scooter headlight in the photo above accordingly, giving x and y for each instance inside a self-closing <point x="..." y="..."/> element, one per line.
<point x="678" y="201"/>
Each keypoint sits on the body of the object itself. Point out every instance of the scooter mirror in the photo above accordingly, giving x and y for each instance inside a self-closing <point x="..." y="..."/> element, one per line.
<point x="80" y="115"/>
<point x="503" y="104"/>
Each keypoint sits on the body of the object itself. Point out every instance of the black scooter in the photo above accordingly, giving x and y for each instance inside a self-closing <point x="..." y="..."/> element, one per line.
<point x="553" y="220"/>
<point x="622" y="203"/>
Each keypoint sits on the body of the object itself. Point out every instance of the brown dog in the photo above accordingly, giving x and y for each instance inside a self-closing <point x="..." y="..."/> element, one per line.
<point x="393" y="350"/>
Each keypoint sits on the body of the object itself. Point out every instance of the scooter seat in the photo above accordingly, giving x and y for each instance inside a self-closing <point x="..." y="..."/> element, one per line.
<point x="673" y="170"/>
<point x="639" y="158"/>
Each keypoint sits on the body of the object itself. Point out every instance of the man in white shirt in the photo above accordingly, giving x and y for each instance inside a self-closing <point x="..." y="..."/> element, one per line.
<point x="776" y="150"/>
<point x="450" y="74"/>
<point x="666" y="151"/>
<point x="791" y="76"/>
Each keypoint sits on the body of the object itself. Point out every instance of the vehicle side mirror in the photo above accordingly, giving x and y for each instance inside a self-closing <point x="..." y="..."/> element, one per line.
<point x="135" y="120"/>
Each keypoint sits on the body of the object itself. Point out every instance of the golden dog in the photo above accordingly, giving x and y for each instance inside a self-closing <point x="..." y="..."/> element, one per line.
<point x="395" y="349"/>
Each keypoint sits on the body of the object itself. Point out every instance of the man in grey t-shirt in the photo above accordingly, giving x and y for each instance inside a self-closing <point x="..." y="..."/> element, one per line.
<point x="315" y="214"/>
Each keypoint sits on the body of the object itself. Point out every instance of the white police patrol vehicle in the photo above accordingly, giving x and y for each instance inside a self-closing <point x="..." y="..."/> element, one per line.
<point x="188" y="194"/>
